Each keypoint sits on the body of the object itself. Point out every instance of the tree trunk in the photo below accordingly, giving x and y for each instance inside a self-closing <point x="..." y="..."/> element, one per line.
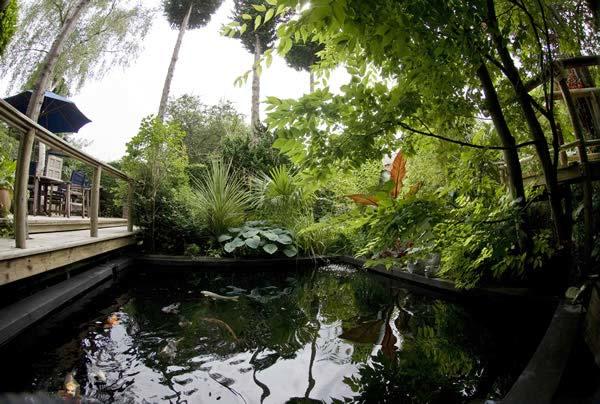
<point x="311" y="81"/>
<point x="164" y="99"/>
<point x="43" y="82"/>
<point x="255" y="112"/>
<point x="33" y="112"/>
<point x="511" y="154"/>
<point x="535" y="129"/>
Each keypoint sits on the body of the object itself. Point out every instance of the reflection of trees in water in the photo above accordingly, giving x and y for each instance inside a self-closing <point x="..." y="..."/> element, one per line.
<point x="444" y="358"/>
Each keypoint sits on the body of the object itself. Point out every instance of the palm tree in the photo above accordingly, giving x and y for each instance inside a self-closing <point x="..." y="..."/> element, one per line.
<point x="183" y="14"/>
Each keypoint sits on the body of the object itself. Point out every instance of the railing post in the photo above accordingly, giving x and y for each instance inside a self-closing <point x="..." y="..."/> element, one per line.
<point x="95" y="201"/>
<point x="129" y="206"/>
<point x="585" y="169"/>
<point x="21" y="180"/>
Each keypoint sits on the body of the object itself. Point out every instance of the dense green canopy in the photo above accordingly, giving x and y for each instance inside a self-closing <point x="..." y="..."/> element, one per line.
<point x="202" y="10"/>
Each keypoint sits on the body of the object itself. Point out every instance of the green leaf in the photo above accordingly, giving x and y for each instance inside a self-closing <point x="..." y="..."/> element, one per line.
<point x="270" y="235"/>
<point x="253" y="242"/>
<point x="272" y="2"/>
<point x="270" y="248"/>
<point x="250" y="233"/>
<point x="246" y="16"/>
<point x="234" y="229"/>
<point x="260" y="7"/>
<point x="269" y="14"/>
<point x="257" y="22"/>
<point x="238" y="242"/>
<point x="284" y="239"/>
<point x="290" y="251"/>
<point x="229" y="247"/>
<point x="224" y="237"/>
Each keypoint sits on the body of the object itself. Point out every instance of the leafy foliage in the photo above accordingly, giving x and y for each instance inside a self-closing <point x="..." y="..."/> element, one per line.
<point x="205" y="125"/>
<point x="156" y="159"/>
<point x="202" y="10"/>
<point x="279" y="195"/>
<point x="244" y="15"/>
<point x="257" y="238"/>
<point x="302" y="56"/>
<point x="7" y="172"/>
<point x="8" y="24"/>
<point x="251" y="157"/>
<point x="221" y="199"/>
<point x="109" y="34"/>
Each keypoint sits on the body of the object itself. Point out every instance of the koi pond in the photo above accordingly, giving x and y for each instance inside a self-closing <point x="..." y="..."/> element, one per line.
<point x="331" y="334"/>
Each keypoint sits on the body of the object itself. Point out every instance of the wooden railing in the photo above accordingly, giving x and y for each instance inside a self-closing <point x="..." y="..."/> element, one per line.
<point x="29" y="131"/>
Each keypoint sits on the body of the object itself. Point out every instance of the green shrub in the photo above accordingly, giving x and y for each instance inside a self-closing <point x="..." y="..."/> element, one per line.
<point x="279" y="196"/>
<point x="221" y="198"/>
<point x="256" y="238"/>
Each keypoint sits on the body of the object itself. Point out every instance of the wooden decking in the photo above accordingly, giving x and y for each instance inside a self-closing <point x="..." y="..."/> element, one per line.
<point x="48" y="251"/>
<point x="50" y="224"/>
<point x="570" y="174"/>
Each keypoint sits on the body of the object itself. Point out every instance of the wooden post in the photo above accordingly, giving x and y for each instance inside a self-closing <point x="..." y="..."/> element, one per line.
<point x="130" y="206"/>
<point x="95" y="201"/>
<point x="21" y="180"/>
<point x="583" y="159"/>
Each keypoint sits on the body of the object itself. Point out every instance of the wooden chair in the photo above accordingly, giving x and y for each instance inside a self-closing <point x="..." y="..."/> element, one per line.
<point x="79" y="193"/>
<point x="55" y="189"/>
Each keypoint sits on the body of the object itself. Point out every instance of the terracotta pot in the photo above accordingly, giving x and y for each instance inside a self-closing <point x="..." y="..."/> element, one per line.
<point x="5" y="202"/>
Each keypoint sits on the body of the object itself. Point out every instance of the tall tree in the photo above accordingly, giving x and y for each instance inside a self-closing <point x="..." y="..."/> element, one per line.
<point x="183" y="15"/>
<point x="205" y="126"/>
<point x="433" y="69"/>
<point x="61" y="44"/>
<point x="303" y="56"/>
<point x="257" y="33"/>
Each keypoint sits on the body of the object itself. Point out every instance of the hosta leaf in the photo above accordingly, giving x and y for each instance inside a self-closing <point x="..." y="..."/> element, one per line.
<point x="253" y="242"/>
<point x="284" y="239"/>
<point x="229" y="247"/>
<point x="270" y="235"/>
<point x="250" y="233"/>
<point x="224" y="237"/>
<point x="237" y="242"/>
<point x="270" y="248"/>
<point x="234" y="229"/>
<point x="290" y="251"/>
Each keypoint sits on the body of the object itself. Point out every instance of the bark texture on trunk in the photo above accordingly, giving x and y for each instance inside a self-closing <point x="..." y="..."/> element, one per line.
<point x="311" y="81"/>
<point x="255" y="111"/>
<point x="33" y="112"/>
<point x="511" y="154"/>
<point x="164" y="99"/>
<point x="535" y="129"/>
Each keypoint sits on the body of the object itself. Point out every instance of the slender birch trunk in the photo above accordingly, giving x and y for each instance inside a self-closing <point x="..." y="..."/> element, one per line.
<point x="43" y="82"/>
<point x="255" y="112"/>
<point x="311" y="79"/>
<point x="33" y="112"/>
<point x="162" y="109"/>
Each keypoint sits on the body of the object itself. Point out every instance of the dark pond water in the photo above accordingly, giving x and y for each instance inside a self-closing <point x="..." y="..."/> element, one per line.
<point x="333" y="335"/>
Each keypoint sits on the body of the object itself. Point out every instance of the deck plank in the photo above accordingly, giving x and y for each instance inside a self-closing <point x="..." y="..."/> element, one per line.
<point x="47" y="251"/>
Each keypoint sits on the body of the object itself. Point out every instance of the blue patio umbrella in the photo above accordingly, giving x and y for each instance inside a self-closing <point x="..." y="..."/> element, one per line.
<point x="58" y="114"/>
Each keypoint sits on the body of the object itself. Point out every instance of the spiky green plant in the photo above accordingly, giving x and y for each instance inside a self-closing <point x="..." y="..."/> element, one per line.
<point x="221" y="198"/>
<point x="279" y="195"/>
